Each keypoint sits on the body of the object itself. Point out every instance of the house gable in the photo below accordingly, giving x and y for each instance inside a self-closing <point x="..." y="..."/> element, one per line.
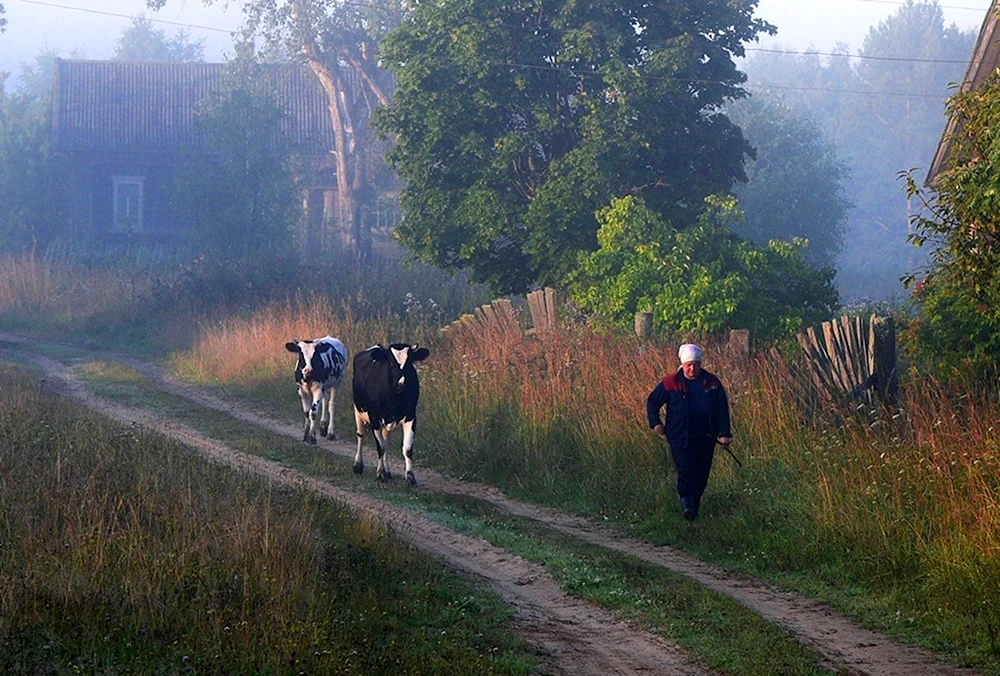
<point x="985" y="60"/>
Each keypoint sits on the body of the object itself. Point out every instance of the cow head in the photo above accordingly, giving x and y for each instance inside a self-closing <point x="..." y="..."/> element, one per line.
<point x="306" y="350"/>
<point x="403" y="358"/>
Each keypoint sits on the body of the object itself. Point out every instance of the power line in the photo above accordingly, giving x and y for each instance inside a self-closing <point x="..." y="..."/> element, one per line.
<point x="866" y="57"/>
<point x="124" y="16"/>
<point x="581" y="73"/>
<point x="899" y="59"/>
<point x="897" y="2"/>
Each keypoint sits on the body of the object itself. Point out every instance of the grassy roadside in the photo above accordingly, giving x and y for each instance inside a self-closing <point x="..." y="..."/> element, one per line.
<point x="721" y="633"/>
<point x="121" y="551"/>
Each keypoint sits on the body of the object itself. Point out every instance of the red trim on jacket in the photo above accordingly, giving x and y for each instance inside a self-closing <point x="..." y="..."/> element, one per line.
<point x="676" y="382"/>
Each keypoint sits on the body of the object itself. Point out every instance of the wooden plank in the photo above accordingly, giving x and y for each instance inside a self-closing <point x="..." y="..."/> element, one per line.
<point x="836" y="360"/>
<point x="850" y="350"/>
<point x="552" y="307"/>
<point x="536" y="306"/>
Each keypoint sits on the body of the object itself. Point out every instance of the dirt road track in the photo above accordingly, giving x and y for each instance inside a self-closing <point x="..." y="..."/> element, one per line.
<point x="844" y="645"/>
<point x="572" y="636"/>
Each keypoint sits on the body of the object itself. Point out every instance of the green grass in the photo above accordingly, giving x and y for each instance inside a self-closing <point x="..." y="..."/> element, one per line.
<point x="121" y="551"/>
<point x="719" y="632"/>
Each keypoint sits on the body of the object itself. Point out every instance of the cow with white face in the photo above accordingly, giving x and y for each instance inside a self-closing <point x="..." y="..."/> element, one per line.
<point x="321" y="365"/>
<point x="386" y="390"/>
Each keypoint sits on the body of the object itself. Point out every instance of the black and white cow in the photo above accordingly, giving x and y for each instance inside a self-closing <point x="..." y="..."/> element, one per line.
<point x="386" y="390"/>
<point x="321" y="365"/>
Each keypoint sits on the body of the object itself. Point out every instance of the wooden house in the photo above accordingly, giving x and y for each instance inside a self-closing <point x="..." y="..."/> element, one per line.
<point x="985" y="60"/>
<point x="127" y="128"/>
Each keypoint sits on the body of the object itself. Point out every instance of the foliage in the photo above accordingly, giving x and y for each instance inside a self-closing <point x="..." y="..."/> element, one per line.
<point x="795" y="185"/>
<point x="142" y="42"/>
<point x="699" y="280"/>
<point x="960" y="293"/>
<point x="35" y="79"/>
<point x="31" y="176"/>
<point x="514" y="123"/>
<point x="339" y="42"/>
<point x="3" y="20"/>
<point x="863" y="108"/>
<point x="242" y="200"/>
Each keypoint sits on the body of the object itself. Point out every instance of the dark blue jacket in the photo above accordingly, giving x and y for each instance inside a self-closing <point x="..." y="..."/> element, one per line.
<point x="672" y="392"/>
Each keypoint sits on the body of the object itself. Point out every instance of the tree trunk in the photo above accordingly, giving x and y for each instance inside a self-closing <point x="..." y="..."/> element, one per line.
<point x="348" y="163"/>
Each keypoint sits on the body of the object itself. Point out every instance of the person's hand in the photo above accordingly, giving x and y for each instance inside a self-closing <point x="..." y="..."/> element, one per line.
<point x="659" y="430"/>
<point x="725" y="440"/>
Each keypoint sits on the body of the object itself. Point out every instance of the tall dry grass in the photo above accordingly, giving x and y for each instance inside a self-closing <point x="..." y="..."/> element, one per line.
<point x="250" y="349"/>
<point x="122" y="552"/>
<point x="904" y="503"/>
<point x="39" y="289"/>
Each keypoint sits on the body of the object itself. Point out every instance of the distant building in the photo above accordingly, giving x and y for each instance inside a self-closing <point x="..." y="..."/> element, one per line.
<point x="127" y="128"/>
<point x="985" y="60"/>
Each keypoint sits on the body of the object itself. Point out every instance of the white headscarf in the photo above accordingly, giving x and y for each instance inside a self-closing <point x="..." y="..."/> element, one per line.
<point x="689" y="352"/>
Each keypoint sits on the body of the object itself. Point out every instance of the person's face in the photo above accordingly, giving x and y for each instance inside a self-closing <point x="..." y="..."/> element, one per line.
<point x="692" y="369"/>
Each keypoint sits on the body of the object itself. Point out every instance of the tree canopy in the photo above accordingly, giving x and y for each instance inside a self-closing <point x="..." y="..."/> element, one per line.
<point x="515" y="122"/>
<point x="339" y="42"/>
<point x="141" y="41"/>
<point x="795" y="185"/>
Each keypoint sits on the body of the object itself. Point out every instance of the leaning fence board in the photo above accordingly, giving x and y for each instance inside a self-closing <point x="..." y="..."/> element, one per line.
<point x="848" y="357"/>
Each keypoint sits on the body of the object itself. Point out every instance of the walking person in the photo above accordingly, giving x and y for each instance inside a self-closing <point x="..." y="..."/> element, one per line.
<point x="697" y="419"/>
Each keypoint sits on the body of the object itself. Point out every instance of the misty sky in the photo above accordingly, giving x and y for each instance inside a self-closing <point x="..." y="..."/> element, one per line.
<point x="32" y="27"/>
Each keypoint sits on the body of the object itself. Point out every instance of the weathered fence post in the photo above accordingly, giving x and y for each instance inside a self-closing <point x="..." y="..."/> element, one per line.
<point x="644" y="323"/>
<point x="739" y="343"/>
<point x="883" y="358"/>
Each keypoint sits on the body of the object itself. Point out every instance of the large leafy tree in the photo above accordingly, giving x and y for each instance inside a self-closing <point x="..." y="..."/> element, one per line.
<point x="141" y="41"/>
<point x="338" y="41"/>
<point x="795" y="185"/>
<point x="515" y="121"/>
<point x="241" y="200"/>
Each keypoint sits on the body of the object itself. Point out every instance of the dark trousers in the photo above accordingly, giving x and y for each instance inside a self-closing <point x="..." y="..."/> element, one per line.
<point x="693" y="463"/>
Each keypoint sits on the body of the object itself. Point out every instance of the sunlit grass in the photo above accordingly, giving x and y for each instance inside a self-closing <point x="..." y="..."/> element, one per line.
<point x="121" y="551"/>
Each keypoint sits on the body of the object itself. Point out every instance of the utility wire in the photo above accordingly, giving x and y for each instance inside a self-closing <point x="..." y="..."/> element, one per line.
<point x="585" y="73"/>
<point x="125" y="16"/>
<point x="900" y="59"/>
<point x="897" y="2"/>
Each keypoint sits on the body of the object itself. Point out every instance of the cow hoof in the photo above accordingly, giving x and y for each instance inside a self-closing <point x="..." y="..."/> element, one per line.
<point x="312" y="440"/>
<point x="322" y="430"/>
<point x="385" y="475"/>
<point x="331" y="436"/>
<point x="411" y="478"/>
<point x="359" y="467"/>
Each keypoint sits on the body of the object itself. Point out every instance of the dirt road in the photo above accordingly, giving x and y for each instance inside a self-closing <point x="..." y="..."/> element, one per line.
<point x="577" y="638"/>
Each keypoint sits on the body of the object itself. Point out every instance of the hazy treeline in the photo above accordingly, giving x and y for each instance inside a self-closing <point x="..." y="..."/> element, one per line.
<point x="884" y="114"/>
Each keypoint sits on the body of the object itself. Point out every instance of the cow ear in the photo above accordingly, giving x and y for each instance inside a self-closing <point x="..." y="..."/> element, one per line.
<point x="323" y="347"/>
<point x="293" y="346"/>
<point x="419" y="353"/>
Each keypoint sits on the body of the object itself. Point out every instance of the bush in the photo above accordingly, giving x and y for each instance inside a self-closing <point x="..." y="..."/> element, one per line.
<point x="699" y="280"/>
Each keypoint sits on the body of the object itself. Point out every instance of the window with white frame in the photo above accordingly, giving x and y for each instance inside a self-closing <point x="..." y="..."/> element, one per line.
<point x="128" y="203"/>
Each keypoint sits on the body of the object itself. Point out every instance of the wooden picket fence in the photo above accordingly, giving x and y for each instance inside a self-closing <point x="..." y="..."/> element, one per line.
<point x="500" y="315"/>
<point x="851" y="358"/>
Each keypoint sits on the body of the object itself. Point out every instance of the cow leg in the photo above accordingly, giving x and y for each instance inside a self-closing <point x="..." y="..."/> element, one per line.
<point x="314" y="411"/>
<point x="359" y="422"/>
<point x="331" y="397"/>
<point x="408" y="429"/>
<point x="381" y="440"/>
<point x="306" y="399"/>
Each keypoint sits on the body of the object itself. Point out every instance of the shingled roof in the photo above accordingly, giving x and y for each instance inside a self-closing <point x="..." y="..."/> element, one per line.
<point x="985" y="60"/>
<point x="125" y="107"/>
